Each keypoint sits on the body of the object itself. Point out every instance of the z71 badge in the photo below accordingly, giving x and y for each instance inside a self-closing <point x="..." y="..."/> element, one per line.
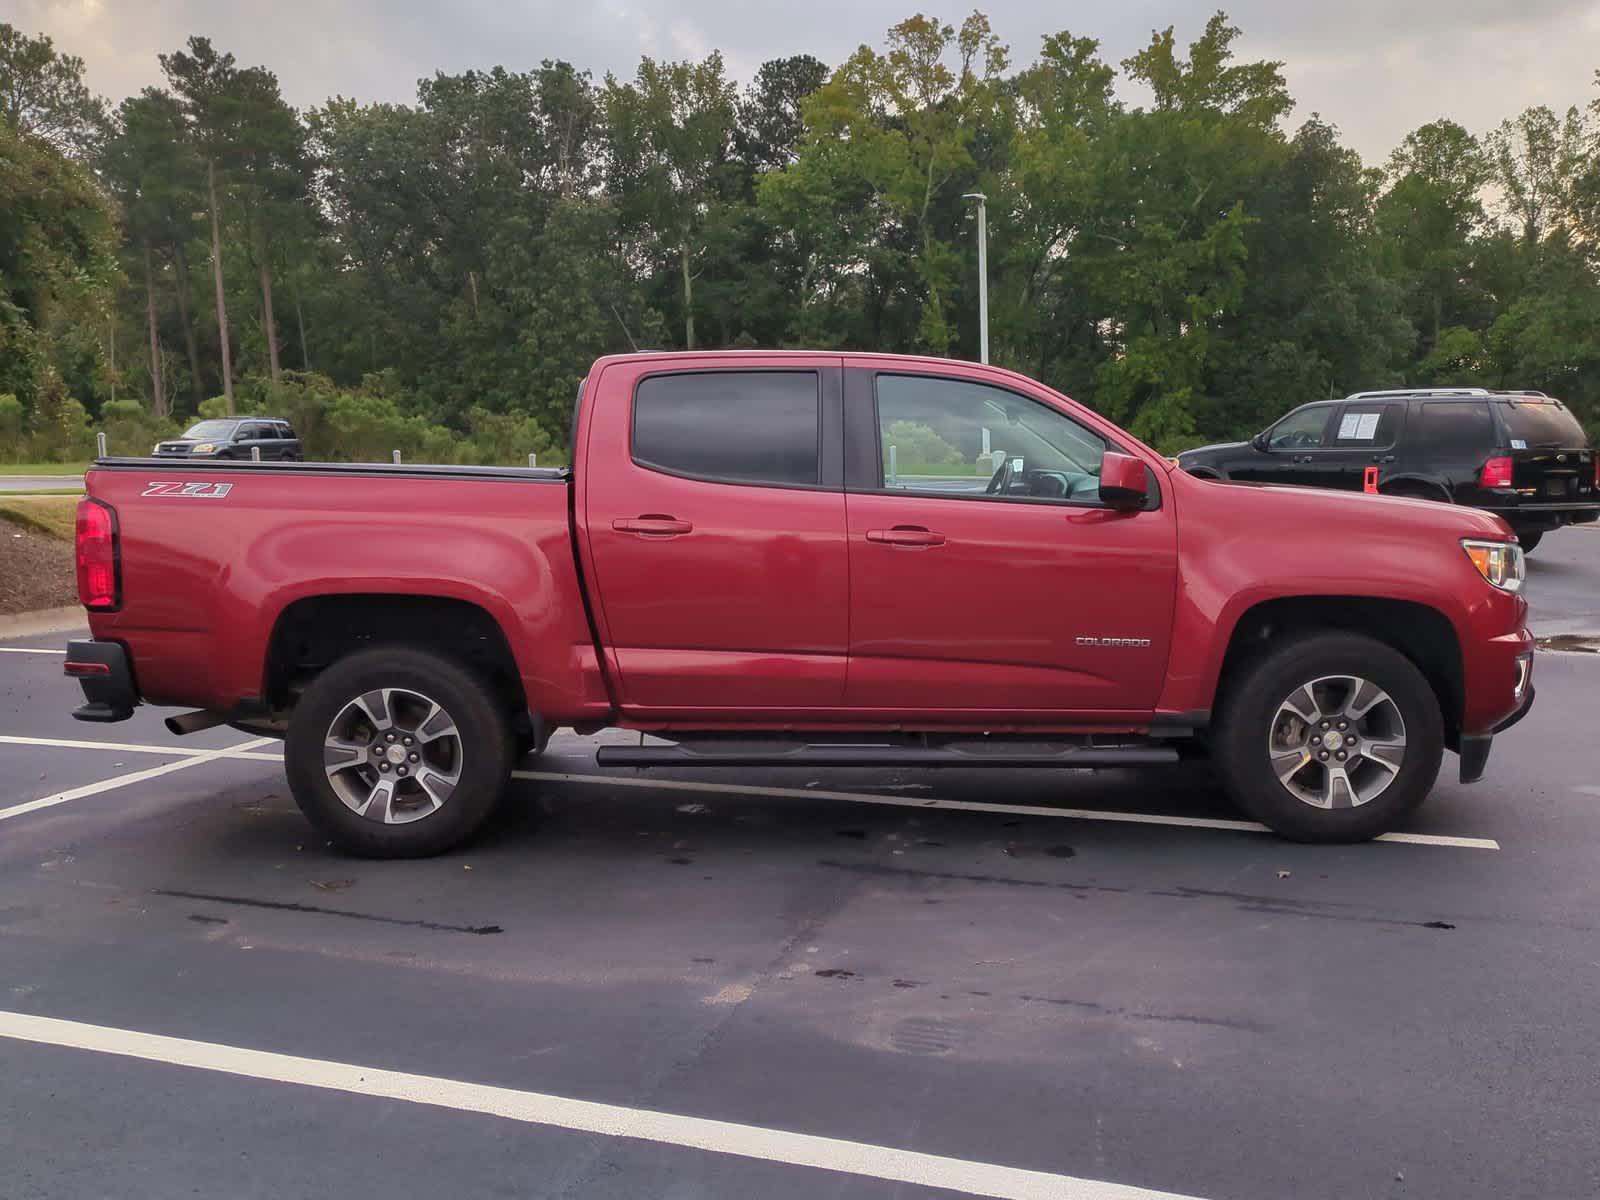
<point x="203" y="491"/>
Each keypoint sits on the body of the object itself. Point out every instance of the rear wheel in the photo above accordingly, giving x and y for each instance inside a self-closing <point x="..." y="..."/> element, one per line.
<point x="1330" y="738"/>
<point x="397" y="753"/>
<point x="1417" y="491"/>
<point x="1530" y="539"/>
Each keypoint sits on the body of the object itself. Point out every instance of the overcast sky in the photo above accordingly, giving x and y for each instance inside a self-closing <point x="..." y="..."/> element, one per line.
<point x="1376" y="68"/>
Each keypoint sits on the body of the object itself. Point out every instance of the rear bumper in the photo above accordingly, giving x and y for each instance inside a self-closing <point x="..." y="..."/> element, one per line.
<point x="103" y="671"/>
<point x="1545" y="516"/>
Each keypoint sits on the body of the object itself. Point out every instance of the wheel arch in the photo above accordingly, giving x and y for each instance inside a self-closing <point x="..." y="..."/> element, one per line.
<point x="1402" y="484"/>
<point x="1422" y="634"/>
<point x="314" y="632"/>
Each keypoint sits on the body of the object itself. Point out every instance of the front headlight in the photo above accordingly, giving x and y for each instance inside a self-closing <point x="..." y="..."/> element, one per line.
<point x="1501" y="563"/>
<point x="205" y="448"/>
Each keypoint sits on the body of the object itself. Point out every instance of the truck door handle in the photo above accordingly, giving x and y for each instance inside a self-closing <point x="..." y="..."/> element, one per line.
<point x="653" y="525"/>
<point x="1382" y="458"/>
<point x="906" y="535"/>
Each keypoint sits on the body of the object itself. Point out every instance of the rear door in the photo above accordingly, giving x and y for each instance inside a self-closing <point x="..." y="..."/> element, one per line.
<point x="1365" y="433"/>
<point x="1550" y="457"/>
<point x="995" y="592"/>
<point x="713" y="508"/>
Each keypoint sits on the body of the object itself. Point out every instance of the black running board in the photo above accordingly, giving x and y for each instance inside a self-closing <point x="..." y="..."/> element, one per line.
<point x="886" y="756"/>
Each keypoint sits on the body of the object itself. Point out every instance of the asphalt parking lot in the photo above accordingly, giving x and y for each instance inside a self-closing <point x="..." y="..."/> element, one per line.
<point x="797" y="984"/>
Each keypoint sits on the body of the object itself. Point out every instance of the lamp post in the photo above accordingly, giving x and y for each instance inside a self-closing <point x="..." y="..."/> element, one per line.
<point x="983" y="273"/>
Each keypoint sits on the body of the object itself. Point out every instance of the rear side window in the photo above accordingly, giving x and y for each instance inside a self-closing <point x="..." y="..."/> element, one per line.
<point x="733" y="426"/>
<point x="1372" y="425"/>
<point x="1458" y="427"/>
<point x="1547" y="424"/>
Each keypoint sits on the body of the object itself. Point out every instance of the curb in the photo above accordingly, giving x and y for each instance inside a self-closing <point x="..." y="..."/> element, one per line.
<point x="43" y="620"/>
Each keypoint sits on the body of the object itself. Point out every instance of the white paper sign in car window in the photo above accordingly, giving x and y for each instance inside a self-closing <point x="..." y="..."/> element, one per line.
<point x="1359" y="427"/>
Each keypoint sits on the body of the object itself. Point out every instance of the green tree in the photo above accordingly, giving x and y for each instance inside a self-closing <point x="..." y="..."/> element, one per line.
<point x="43" y="96"/>
<point x="668" y="135"/>
<point x="57" y="268"/>
<point x="900" y="125"/>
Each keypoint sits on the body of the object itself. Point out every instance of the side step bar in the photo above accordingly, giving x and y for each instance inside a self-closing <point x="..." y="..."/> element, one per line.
<point x="886" y="756"/>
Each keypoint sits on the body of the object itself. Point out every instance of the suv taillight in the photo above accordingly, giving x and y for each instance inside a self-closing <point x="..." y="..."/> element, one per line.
<point x="1496" y="473"/>
<point x="99" y="576"/>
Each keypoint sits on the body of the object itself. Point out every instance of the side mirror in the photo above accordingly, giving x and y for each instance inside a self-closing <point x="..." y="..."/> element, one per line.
<point x="1260" y="440"/>
<point x="1124" y="481"/>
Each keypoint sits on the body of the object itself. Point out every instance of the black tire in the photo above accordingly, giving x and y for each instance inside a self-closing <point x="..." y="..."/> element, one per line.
<point x="482" y="739"/>
<point x="1249" y="719"/>
<point x="1530" y="539"/>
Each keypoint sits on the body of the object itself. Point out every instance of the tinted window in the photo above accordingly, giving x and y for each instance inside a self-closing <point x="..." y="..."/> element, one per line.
<point x="1301" y="430"/>
<point x="1456" y="427"/>
<point x="1547" y="424"/>
<point x="749" y="426"/>
<point x="952" y="437"/>
<point x="211" y="431"/>
<point x="1372" y="425"/>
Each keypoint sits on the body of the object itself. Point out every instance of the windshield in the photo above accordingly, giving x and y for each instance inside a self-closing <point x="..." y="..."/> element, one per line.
<point x="1549" y="423"/>
<point x="211" y="431"/>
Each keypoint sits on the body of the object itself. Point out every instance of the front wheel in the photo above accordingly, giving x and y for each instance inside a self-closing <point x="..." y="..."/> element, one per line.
<point x="1330" y="738"/>
<point x="397" y="753"/>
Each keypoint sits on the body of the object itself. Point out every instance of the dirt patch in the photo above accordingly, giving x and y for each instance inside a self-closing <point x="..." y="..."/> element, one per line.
<point x="1572" y="643"/>
<point x="36" y="571"/>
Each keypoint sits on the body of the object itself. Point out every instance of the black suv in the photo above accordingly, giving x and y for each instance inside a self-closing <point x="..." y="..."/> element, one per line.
<point x="235" y="437"/>
<point x="1519" y="455"/>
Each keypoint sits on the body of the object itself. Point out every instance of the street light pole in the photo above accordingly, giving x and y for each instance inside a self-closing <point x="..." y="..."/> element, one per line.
<point x="983" y="273"/>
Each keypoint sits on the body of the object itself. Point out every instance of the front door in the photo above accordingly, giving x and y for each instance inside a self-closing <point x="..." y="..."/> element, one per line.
<point x="1294" y="450"/>
<point x="986" y="578"/>
<point x="714" y="513"/>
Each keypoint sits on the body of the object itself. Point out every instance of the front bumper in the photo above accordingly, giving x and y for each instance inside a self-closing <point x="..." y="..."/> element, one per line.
<point x="106" y="676"/>
<point x="1474" y="748"/>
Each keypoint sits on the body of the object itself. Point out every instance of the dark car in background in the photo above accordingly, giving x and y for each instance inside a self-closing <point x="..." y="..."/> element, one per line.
<point x="235" y="438"/>
<point x="1518" y="454"/>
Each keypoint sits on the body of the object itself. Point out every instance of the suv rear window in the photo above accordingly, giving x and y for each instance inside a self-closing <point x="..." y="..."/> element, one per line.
<point x="1457" y="427"/>
<point x="1542" y="424"/>
<point x="736" y="426"/>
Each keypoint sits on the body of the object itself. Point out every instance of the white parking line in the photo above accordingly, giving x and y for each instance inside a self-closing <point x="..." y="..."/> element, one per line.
<point x="246" y="752"/>
<point x="135" y="748"/>
<point x="587" y="1116"/>
<point x="106" y="785"/>
<point x="1027" y="810"/>
<point x="27" y="650"/>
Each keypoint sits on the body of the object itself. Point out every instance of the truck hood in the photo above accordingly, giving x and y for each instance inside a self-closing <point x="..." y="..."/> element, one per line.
<point x="1366" y="512"/>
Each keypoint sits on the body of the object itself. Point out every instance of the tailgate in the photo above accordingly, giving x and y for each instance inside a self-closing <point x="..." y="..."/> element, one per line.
<point x="1550" y="456"/>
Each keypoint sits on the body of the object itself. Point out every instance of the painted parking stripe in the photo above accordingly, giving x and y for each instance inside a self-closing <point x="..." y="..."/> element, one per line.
<point x="27" y="650"/>
<point x="586" y="1116"/>
<point x="139" y="748"/>
<point x="106" y="785"/>
<point x="1027" y="810"/>
<point x="248" y="753"/>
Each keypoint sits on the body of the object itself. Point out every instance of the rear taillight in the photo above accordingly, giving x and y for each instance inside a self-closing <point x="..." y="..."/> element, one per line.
<point x="1496" y="473"/>
<point x="99" y="587"/>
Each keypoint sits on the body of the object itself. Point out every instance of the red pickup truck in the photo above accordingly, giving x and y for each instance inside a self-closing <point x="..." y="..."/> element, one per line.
<point x="791" y="558"/>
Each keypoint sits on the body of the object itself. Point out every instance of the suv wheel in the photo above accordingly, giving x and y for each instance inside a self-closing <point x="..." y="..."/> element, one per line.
<point x="1530" y="539"/>
<point x="1330" y="738"/>
<point x="397" y="753"/>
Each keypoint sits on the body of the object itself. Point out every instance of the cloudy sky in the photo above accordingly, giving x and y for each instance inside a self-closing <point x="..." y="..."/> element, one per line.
<point x="1376" y="68"/>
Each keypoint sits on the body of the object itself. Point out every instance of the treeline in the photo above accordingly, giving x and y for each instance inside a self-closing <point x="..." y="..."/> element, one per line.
<point x="437" y="276"/>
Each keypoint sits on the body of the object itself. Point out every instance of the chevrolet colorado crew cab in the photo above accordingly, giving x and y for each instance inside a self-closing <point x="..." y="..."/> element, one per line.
<point x="796" y="558"/>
